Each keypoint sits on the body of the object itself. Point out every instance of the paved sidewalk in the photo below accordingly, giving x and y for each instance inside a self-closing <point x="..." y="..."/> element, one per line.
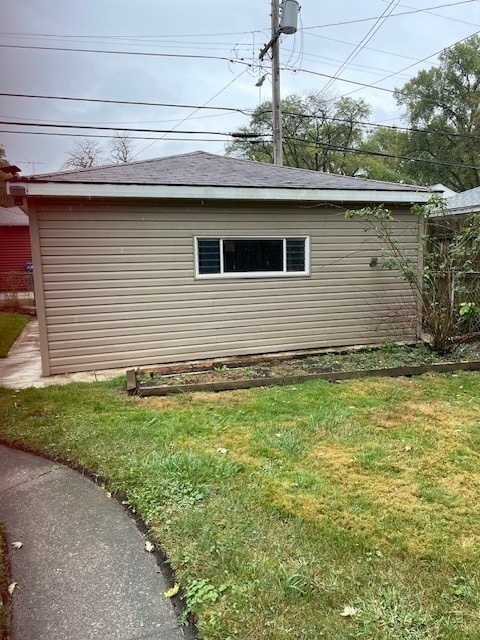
<point x="23" y="367"/>
<point x="82" y="572"/>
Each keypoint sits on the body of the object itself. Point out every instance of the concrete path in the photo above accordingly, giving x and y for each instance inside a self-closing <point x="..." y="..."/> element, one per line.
<point x="23" y="366"/>
<point x="82" y="572"/>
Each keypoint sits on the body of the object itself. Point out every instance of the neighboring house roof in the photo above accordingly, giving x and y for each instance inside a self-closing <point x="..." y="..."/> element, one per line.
<point x="465" y="202"/>
<point x="13" y="217"/>
<point x="204" y="175"/>
<point x="446" y="192"/>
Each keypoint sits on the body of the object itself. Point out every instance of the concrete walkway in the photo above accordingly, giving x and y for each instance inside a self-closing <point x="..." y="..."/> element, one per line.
<point x="82" y="572"/>
<point x="23" y="366"/>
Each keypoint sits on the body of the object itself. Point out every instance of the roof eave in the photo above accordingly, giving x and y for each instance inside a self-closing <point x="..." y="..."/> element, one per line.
<point x="174" y="192"/>
<point x="458" y="211"/>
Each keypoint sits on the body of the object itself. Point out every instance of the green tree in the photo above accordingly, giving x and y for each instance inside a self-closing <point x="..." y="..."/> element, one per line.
<point x="446" y="99"/>
<point x="317" y="134"/>
<point x="385" y="149"/>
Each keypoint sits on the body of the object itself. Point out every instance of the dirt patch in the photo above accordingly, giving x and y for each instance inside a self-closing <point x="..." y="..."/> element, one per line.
<point x="274" y="369"/>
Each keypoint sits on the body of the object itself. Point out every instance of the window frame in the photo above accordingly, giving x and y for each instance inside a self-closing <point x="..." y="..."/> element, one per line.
<point x="252" y="274"/>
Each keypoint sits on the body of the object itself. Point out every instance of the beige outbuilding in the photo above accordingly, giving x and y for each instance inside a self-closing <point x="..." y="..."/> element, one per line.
<point x="198" y="256"/>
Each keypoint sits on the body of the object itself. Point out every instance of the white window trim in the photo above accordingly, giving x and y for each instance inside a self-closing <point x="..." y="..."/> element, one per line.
<point x="252" y="274"/>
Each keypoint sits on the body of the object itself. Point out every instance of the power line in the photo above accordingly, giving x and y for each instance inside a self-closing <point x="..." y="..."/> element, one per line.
<point x="196" y="109"/>
<point x="438" y="15"/>
<point x="129" y="37"/>
<point x="234" y="33"/>
<point x="231" y="60"/>
<point x="384" y="126"/>
<point x="362" y="152"/>
<point x="394" y="15"/>
<point x="129" y="53"/>
<point x="363" y="42"/>
<point x="320" y="145"/>
<point x="99" y="135"/>
<point x="126" y="102"/>
<point x="437" y="53"/>
<point x="101" y="128"/>
<point x="230" y="109"/>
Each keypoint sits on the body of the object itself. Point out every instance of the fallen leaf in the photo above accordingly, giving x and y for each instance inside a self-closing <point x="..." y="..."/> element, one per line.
<point x="17" y="545"/>
<point x="348" y="612"/>
<point x="12" y="586"/>
<point x="149" y="547"/>
<point x="172" y="592"/>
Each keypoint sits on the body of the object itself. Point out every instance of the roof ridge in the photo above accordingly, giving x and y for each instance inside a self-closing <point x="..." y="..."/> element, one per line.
<point x="112" y="165"/>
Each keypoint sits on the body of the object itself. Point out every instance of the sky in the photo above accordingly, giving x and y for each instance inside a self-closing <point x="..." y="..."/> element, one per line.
<point x="199" y="77"/>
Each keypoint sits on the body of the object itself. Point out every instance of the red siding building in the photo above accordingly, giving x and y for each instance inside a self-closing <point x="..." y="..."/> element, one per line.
<point x="15" y="251"/>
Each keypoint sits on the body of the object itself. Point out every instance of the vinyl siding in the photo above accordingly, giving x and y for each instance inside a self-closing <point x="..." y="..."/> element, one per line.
<point x="119" y="287"/>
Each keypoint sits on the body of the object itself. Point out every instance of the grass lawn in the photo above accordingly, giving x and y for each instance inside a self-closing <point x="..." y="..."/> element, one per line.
<point x="283" y="508"/>
<point x="11" y="326"/>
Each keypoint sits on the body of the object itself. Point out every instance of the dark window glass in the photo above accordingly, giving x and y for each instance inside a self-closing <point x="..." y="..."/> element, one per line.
<point x="252" y="255"/>
<point x="295" y="254"/>
<point x="208" y="256"/>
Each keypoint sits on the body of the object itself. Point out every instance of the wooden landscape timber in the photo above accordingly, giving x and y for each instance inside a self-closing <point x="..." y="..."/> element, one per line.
<point x="135" y="387"/>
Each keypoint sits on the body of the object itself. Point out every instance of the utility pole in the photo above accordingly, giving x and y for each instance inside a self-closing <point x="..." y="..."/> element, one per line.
<point x="276" y="104"/>
<point x="286" y="24"/>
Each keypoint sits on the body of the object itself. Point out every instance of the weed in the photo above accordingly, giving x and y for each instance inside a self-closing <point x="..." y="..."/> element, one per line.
<point x="198" y="594"/>
<point x="221" y="368"/>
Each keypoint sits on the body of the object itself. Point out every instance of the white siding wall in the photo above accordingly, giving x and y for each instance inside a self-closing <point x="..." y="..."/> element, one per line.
<point x="120" y="291"/>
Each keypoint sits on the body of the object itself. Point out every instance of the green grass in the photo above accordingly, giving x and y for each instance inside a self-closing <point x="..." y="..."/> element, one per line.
<point x="11" y="326"/>
<point x="279" y="507"/>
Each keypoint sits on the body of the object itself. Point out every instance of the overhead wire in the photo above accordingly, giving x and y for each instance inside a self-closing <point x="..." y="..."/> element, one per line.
<point x="320" y="145"/>
<point x="363" y="42"/>
<point x="233" y="60"/>
<point x="384" y="126"/>
<point x="104" y="128"/>
<point x="127" y="102"/>
<point x="144" y="37"/>
<point x="195" y="111"/>
<point x="437" y="15"/>
<point x="386" y="155"/>
<point x="437" y="53"/>
<point x="104" y="135"/>
<point x="227" y="109"/>
<point x="395" y="15"/>
<point x="127" y="53"/>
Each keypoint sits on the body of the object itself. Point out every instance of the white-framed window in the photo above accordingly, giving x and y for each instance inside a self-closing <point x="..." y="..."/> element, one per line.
<point x="251" y="257"/>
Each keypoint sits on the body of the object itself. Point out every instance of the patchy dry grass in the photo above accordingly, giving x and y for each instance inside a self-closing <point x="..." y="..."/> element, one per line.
<point x="280" y="507"/>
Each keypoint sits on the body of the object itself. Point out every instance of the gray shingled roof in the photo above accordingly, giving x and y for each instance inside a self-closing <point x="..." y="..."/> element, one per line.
<point x="13" y="217"/>
<point x="466" y="200"/>
<point x="205" y="169"/>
